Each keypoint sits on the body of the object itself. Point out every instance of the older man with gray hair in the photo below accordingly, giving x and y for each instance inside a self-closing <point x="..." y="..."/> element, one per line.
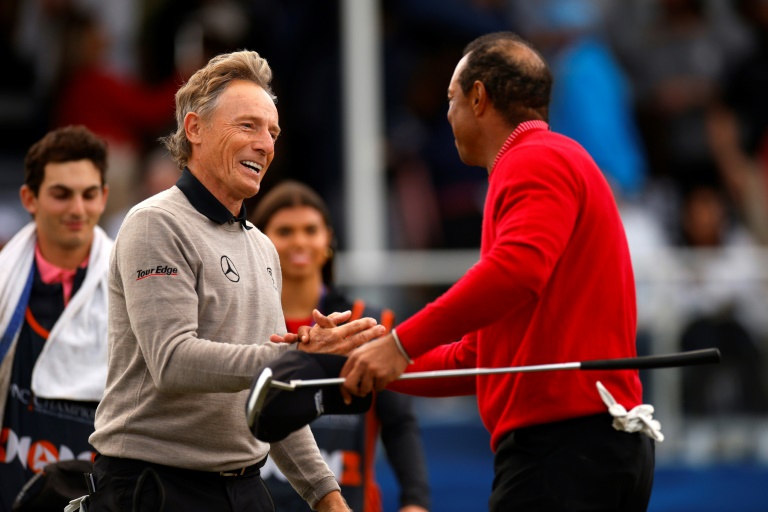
<point x="194" y="297"/>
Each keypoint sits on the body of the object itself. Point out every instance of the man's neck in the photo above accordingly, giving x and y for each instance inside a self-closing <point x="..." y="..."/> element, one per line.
<point x="217" y="189"/>
<point x="67" y="259"/>
<point x="496" y="133"/>
<point x="301" y="296"/>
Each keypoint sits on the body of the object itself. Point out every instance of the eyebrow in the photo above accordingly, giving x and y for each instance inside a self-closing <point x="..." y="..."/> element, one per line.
<point x="64" y="188"/>
<point x="251" y="117"/>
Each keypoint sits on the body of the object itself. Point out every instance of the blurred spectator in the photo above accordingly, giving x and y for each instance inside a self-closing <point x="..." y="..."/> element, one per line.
<point x="437" y="201"/>
<point x="738" y="128"/>
<point x="118" y="108"/>
<point x="745" y="175"/>
<point x="736" y="385"/>
<point x="53" y="315"/>
<point x="591" y="97"/>
<point x="678" y="59"/>
<point x="36" y="31"/>
<point x="746" y="85"/>
<point x="722" y="306"/>
<point x="298" y="222"/>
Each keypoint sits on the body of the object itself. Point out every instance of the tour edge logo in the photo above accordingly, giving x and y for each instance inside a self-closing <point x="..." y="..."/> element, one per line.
<point x="160" y="270"/>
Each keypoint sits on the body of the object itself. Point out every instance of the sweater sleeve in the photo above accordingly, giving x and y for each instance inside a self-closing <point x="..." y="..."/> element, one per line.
<point x="533" y="211"/>
<point x="402" y="442"/>
<point x="299" y="459"/>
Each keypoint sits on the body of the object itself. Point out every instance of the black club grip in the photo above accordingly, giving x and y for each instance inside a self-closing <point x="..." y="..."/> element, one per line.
<point x="705" y="356"/>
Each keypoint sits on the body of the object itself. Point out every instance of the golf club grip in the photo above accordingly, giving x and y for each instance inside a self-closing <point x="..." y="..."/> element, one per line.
<point x="705" y="356"/>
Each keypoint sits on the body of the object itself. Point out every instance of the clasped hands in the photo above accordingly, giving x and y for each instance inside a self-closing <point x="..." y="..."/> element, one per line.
<point x="371" y="364"/>
<point x="330" y="335"/>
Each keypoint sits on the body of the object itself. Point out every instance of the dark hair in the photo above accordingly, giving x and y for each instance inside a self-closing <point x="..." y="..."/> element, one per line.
<point x="67" y="144"/>
<point x="290" y="194"/>
<point x="518" y="85"/>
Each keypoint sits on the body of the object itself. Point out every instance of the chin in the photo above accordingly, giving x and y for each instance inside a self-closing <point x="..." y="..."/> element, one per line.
<point x="465" y="159"/>
<point x="254" y="189"/>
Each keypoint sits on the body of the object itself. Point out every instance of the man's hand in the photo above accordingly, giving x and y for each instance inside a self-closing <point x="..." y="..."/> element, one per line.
<point x="329" y="338"/>
<point x="372" y="366"/>
<point x="332" y="502"/>
<point x="412" y="508"/>
<point x="303" y="334"/>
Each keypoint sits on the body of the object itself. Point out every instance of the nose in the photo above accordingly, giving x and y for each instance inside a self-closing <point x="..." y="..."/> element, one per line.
<point x="77" y="206"/>
<point x="264" y="142"/>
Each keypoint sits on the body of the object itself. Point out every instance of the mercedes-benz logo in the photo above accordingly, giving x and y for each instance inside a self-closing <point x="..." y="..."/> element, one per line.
<point x="230" y="272"/>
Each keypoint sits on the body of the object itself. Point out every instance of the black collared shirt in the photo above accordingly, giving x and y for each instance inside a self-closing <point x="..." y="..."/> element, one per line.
<point x="206" y="203"/>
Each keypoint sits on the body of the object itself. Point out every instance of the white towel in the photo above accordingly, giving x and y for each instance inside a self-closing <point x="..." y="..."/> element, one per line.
<point x="639" y="419"/>
<point x="73" y="363"/>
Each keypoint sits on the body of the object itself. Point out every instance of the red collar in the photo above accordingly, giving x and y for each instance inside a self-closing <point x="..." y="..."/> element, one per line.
<point x="521" y="128"/>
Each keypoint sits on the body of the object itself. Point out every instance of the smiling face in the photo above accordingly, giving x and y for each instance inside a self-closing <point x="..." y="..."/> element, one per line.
<point x="67" y="207"/>
<point x="301" y="238"/>
<point x="232" y="150"/>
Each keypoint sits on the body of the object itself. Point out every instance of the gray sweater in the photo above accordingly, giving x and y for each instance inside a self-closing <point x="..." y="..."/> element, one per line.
<point x="191" y="306"/>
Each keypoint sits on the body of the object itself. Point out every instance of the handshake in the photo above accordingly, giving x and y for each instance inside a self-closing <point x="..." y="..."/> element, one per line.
<point x="330" y="335"/>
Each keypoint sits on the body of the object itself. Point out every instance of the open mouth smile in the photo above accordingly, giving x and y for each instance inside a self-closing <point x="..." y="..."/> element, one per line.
<point x="255" y="167"/>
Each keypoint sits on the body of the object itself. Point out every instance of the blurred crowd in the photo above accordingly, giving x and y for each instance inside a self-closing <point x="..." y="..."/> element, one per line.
<point x="669" y="96"/>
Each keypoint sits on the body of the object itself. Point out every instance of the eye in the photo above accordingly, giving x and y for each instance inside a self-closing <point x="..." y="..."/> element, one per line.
<point x="283" y="232"/>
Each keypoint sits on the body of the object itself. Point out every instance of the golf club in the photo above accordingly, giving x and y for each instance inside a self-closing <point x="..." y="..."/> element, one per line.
<point x="694" y="357"/>
<point x="264" y="382"/>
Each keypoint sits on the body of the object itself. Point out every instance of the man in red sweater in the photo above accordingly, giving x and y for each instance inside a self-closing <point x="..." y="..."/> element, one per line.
<point x="554" y="284"/>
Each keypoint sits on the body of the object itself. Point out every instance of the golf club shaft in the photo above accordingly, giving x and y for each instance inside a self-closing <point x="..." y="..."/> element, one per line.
<point x="694" y="357"/>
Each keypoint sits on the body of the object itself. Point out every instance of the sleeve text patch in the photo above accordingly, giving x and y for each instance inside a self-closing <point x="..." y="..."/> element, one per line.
<point x="160" y="270"/>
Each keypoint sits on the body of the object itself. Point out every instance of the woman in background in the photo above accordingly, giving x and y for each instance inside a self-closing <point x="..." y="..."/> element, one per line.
<point x="298" y="222"/>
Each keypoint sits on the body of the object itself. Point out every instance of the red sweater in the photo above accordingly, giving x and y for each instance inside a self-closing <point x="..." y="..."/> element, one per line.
<point x="554" y="284"/>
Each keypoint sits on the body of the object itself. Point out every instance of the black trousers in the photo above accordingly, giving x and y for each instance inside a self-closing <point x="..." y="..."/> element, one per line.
<point x="581" y="464"/>
<point x="128" y="485"/>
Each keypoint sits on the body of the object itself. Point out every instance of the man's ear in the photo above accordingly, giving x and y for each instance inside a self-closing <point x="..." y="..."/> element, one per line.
<point x="192" y="127"/>
<point x="28" y="199"/>
<point x="478" y="98"/>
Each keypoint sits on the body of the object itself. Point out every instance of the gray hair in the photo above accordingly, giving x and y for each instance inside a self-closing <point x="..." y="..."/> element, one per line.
<point x="201" y="93"/>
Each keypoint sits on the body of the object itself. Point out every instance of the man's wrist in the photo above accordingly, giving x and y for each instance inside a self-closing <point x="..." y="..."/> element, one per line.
<point x="400" y="346"/>
<point x="333" y="502"/>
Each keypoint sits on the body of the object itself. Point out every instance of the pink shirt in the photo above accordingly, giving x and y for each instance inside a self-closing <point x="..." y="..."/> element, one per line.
<point x="51" y="274"/>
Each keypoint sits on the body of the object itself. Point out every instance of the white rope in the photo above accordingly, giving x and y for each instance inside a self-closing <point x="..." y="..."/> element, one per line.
<point x="639" y="419"/>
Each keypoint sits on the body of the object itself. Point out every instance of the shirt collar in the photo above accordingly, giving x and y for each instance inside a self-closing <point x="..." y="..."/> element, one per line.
<point x="53" y="274"/>
<point x="206" y="203"/>
<point x="521" y="128"/>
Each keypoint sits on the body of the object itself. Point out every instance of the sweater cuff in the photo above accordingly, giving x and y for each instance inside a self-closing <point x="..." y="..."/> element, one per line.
<point x="321" y="489"/>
